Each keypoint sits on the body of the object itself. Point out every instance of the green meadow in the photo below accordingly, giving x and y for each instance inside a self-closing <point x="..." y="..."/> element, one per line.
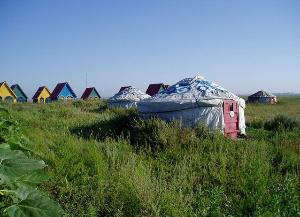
<point x="109" y="162"/>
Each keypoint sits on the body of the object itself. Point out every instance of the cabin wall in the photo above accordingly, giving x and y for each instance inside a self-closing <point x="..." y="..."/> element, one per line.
<point x="161" y="89"/>
<point x="44" y="96"/>
<point x="65" y="93"/>
<point x="18" y="92"/>
<point x="93" y="94"/>
<point x="20" y="95"/>
<point x="21" y="99"/>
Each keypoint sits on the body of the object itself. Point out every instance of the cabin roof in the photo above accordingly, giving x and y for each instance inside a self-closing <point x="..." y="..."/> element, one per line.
<point x="154" y="88"/>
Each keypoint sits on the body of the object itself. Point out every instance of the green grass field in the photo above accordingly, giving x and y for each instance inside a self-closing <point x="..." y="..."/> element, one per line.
<point x="110" y="163"/>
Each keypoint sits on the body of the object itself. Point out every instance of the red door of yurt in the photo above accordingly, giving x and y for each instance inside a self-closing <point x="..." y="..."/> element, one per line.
<point x="231" y="118"/>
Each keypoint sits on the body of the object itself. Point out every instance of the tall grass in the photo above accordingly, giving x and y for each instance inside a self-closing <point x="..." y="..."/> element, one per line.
<point x="105" y="162"/>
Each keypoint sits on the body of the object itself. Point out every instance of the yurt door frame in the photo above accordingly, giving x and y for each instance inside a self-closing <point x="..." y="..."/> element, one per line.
<point x="231" y="118"/>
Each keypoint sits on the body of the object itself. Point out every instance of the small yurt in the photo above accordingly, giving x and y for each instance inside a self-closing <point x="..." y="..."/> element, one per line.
<point x="262" y="97"/>
<point x="197" y="100"/>
<point x="127" y="98"/>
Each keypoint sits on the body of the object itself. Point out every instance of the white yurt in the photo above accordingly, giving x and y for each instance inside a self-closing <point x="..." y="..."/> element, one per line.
<point x="194" y="100"/>
<point x="127" y="98"/>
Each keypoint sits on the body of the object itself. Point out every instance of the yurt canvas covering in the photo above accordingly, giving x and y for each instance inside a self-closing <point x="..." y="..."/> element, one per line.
<point x="127" y="98"/>
<point x="262" y="97"/>
<point x="194" y="100"/>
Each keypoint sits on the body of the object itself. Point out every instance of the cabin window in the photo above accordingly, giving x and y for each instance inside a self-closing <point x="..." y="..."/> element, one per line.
<point x="42" y="100"/>
<point x="231" y="107"/>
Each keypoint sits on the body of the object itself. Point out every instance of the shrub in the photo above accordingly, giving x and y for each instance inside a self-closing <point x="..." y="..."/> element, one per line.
<point x="282" y="122"/>
<point x="154" y="133"/>
<point x="257" y="124"/>
<point x="202" y="131"/>
<point x="91" y="105"/>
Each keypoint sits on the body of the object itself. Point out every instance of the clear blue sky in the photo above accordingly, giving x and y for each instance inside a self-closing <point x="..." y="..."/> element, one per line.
<point x="242" y="45"/>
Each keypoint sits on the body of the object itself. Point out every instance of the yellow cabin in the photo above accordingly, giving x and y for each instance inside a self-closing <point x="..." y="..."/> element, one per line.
<point x="42" y="95"/>
<point x="6" y="93"/>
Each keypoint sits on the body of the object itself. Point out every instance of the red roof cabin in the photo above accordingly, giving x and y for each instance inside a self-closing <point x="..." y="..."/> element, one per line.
<point x="90" y="93"/>
<point x="156" y="88"/>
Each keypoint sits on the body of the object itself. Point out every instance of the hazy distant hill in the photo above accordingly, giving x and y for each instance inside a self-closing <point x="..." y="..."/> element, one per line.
<point x="286" y="94"/>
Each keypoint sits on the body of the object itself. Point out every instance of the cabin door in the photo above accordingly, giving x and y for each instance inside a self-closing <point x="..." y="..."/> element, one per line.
<point x="231" y="118"/>
<point x="9" y="99"/>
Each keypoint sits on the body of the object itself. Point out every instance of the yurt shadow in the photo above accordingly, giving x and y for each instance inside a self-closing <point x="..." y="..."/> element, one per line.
<point x="112" y="128"/>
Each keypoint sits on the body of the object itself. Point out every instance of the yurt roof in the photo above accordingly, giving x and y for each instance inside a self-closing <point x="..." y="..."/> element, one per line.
<point x="188" y="93"/>
<point x="129" y="94"/>
<point x="196" y="88"/>
<point x="262" y="93"/>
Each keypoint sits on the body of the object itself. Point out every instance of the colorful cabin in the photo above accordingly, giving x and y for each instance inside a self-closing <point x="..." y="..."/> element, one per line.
<point x="42" y="95"/>
<point x="156" y="88"/>
<point x="123" y="88"/>
<point x="63" y="91"/>
<point x="21" y="96"/>
<point x="6" y="93"/>
<point x="90" y="93"/>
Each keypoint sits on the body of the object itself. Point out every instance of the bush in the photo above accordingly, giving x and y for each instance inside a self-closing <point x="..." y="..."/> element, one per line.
<point x="91" y="105"/>
<point x="281" y="122"/>
<point x="257" y="124"/>
<point x="155" y="134"/>
<point x="203" y="131"/>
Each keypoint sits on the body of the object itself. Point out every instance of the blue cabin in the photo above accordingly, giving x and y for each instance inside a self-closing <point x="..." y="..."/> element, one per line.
<point x="21" y="96"/>
<point x="63" y="91"/>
